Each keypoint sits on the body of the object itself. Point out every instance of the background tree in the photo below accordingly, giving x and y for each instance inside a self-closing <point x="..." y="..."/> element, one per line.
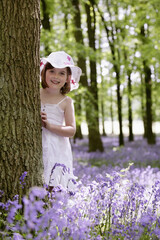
<point x="20" y="132"/>
<point x="46" y="21"/>
<point x="95" y="142"/>
<point x="81" y="62"/>
<point x="111" y="29"/>
<point x="146" y="49"/>
<point x="148" y="89"/>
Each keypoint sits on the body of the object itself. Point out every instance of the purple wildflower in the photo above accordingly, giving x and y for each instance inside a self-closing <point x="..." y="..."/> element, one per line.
<point x="107" y="203"/>
<point x="17" y="236"/>
<point x="22" y="179"/>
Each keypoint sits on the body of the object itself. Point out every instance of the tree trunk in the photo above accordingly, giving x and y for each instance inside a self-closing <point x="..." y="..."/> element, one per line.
<point x="148" y="87"/>
<point x="78" y="117"/>
<point x="102" y="97"/>
<point x="116" y="61"/>
<point x="119" y="104"/>
<point x="95" y="142"/>
<point x="111" y="113"/>
<point x="102" y="87"/>
<point x="130" y="119"/>
<point x="143" y="108"/>
<point x="20" y="132"/>
<point x="45" y="20"/>
<point x="81" y="63"/>
<point x="46" y="24"/>
<point x="103" y="119"/>
<point x="129" y="84"/>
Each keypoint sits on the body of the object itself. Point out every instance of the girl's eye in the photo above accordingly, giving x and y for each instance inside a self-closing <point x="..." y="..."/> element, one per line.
<point x="62" y="73"/>
<point x="51" y="71"/>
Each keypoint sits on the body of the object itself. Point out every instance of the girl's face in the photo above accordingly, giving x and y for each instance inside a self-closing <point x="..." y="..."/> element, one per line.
<point x="56" y="77"/>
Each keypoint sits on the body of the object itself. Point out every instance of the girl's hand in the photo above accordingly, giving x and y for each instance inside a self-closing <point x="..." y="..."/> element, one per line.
<point x="44" y="119"/>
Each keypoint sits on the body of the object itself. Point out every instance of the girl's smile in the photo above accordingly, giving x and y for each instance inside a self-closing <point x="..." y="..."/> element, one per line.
<point x="55" y="82"/>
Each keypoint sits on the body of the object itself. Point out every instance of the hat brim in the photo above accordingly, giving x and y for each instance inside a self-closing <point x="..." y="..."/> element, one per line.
<point x="76" y="71"/>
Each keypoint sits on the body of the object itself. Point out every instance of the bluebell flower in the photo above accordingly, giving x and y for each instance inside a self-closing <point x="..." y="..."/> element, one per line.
<point x="22" y="179"/>
<point x="17" y="236"/>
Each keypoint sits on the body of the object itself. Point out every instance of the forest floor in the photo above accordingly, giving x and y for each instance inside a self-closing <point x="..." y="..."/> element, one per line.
<point x="139" y="160"/>
<point x="138" y="152"/>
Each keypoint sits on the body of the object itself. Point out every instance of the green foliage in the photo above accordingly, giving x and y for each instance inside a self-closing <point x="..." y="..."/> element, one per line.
<point x="124" y="21"/>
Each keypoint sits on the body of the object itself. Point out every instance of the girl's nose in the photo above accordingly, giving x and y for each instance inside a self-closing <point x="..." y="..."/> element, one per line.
<point x="55" y="75"/>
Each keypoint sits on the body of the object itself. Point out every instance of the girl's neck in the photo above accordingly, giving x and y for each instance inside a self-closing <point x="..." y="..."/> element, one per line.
<point x="50" y="96"/>
<point x="52" y="92"/>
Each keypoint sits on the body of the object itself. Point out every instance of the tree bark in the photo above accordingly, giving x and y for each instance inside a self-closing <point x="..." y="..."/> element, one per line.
<point x="81" y="63"/>
<point x="46" y="24"/>
<point x="143" y="111"/>
<point x="45" y="20"/>
<point x="119" y="105"/>
<point x="103" y="119"/>
<point x="95" y="142"/>
<point x="148" y="87"/>
<point x="129" y="95"/>
<point x="102" y="99"/>
<point x="78" y="110"/>
<point x="130" y="119"/>
<point x="20" y="132"/>
<point x="111" y="113"/>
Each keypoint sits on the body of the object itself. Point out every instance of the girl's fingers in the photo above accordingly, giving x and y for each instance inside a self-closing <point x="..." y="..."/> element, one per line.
<point x="43" y="113"/>
<point x="44" y="119"/>
<point x="43" y="116"/>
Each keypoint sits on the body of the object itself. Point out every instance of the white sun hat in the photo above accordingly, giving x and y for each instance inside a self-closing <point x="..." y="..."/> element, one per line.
<point x="61" y="59"/>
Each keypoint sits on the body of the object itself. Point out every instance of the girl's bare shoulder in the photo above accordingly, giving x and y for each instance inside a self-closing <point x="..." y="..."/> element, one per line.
<point x="68" y="103"/>
<point x="69" y="100"/>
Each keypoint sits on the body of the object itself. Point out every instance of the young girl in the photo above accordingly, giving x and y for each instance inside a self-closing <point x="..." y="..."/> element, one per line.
<point x="59" y="75"/>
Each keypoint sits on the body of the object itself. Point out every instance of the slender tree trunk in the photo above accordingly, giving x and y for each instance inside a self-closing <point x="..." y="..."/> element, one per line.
<point x="111" y="113"/>
<point x="103" y="90"/>
<point x="103" y="119"/>
<point x="78" y="110"/>
<point x="46" y="23"/>
<point x="119" y="104"/>
<point x="116" y="61"/>
<point x="129" y="83"/>
<point x="20" y="132"/>
<point x="95" y="142"/>
<point x="81" y="63"/>
<point x="131" y="137"/>
<point x="79" y="39"/>
<point x="148" y="87"/>
<point x="45" y="20"/>
<point x="143" y="109"/>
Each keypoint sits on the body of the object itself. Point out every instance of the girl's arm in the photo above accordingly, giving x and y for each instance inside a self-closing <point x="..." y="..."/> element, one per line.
<point x="70" y="126"/>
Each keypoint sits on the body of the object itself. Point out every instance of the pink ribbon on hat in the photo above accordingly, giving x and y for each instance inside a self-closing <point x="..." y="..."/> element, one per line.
<point x="69" y="58"/>
<point x="73" y="82"/>
<point x="41" y="63"/>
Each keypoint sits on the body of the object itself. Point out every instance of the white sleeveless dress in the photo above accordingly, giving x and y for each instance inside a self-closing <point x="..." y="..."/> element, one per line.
<point x="57" y="153"/>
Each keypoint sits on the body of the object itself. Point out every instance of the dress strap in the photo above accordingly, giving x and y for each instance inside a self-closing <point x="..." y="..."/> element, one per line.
<point x="62" y="100"/>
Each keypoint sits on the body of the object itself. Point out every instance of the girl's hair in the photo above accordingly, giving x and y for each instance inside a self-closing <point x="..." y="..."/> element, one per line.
<point x="65" y="89"/>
